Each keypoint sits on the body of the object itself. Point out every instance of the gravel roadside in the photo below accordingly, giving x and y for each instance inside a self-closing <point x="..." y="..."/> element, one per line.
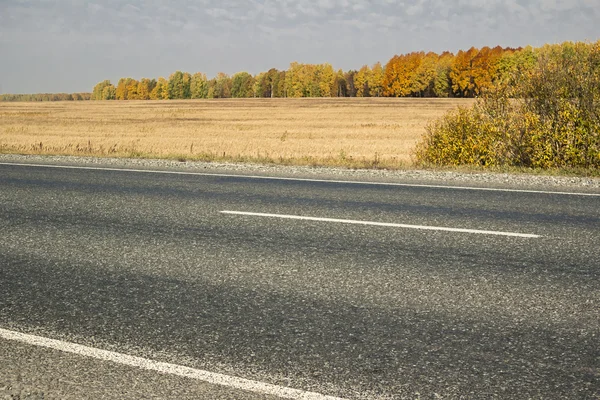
<point x="417" y="176"/>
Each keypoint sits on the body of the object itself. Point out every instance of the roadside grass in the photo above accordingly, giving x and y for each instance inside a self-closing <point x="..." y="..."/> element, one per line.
<point x="350" y="133"/>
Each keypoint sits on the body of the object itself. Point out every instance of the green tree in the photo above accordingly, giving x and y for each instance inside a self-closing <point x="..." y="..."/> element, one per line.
<point x="514" y="63"/>
<point x="109" y="93"/>
<point x="242" y="85"/>
<point x="221" y="86"/>
<point x="274" y="78"/>
<point x="260" y="88"/>
<point x="99" y="89"/>
<point x="442" y="86"/>
<point x="179" y="85"/>
<point x="266" y="84"/>
<point x="279" y="85"/>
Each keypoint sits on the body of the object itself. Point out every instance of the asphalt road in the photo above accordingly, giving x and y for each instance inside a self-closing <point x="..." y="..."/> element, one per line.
<point x="148" y="265"/>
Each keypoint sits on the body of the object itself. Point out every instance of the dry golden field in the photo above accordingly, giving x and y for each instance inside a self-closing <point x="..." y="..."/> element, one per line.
<point x="343" y="132"/>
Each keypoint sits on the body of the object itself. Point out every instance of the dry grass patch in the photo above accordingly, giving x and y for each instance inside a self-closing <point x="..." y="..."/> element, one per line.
<point x="343" y="132"/>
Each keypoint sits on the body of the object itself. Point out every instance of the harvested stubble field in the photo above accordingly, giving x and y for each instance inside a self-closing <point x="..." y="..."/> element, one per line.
<point x="378" y="133"/>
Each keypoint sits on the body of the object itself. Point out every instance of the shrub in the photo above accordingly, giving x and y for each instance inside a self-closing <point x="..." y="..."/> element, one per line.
<point x="545" y="116"/>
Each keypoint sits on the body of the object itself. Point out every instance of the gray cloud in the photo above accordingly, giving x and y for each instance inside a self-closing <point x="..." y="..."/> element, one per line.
<point x="70" y="45"/>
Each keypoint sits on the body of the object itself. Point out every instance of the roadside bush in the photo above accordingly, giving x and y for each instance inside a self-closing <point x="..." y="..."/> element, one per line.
<point x="546" y="116"/>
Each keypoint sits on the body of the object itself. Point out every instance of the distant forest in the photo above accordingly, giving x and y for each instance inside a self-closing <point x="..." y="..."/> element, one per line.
<point x="418" y="74"/>
<point x="46" y="97"/>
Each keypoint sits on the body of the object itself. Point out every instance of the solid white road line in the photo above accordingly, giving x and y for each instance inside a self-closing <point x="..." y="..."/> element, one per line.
<point x="280" y="178"/>
<point x="388" y="224"/>
<point x="166" y="368"/>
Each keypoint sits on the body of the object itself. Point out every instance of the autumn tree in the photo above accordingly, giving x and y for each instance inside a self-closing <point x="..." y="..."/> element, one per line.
<point x="109" y="93"/>
<point x="259" y="88"/>
<point x="263" y="84"/>
<point x="484" y="68"/>
<point x="399" y="74"/>
<point x="161" y="90"/>
<point x="442" y="86"/>
<point x="199" y="86"/>
<point x="297" y="80"/>
<point x="132" y="89"/>
<point x="242" y="85"/>
<point x="463" y="82"/>
<point x="126" y="89"/>
<point x="179" y="85"/>
<point x="121" y="92"/>
<point x="310" y="80"/>
<point x="350" y="85"/>
<point x="187" y="85"/>
<point x="362" y="80"/>
<point x="279" y="87"/>
<point x="514" y="63"/>
<point x="266" y="84"/>
<point x="302" y="81"/>
<point x="376" y="80"/>
<point x="220" y="86"/>
<point x="368" y="81"/>
<point x="341" y="86"/>
<point x="144" y="88"/>
<point x="273" y="80"/>
<point x="423" y="80"/>
<point x="97" y="93"/>
<point x="325" y="76"/>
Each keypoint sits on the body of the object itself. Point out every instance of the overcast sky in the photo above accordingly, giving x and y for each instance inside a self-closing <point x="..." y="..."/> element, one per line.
<point x="68" y="46"/>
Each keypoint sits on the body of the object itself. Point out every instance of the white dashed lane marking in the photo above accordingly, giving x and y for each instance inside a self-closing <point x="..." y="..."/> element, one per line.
<point x="385" y="224"/>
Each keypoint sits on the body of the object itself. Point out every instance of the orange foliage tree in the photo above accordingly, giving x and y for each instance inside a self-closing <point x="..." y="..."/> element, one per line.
<point x="399" y="73"/>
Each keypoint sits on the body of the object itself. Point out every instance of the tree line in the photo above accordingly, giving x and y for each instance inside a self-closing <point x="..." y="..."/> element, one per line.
<point x="417" y="74"/>
<point x="46" y="97"/>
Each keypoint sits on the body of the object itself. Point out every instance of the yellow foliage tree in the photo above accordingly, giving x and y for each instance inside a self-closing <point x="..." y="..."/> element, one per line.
<point x="399" y="73"/>
<point x="463" y="82"/>
<point x="161" y="90"/>
<point x="376" y="80"/>
<point x="362" y="81"/>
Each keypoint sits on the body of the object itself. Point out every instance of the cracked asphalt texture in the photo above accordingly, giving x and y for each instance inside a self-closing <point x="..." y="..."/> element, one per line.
<point x="145" y="264"/>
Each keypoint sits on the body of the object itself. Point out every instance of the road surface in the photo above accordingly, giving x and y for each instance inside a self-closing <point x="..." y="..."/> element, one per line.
<point x="312" y="288"/>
